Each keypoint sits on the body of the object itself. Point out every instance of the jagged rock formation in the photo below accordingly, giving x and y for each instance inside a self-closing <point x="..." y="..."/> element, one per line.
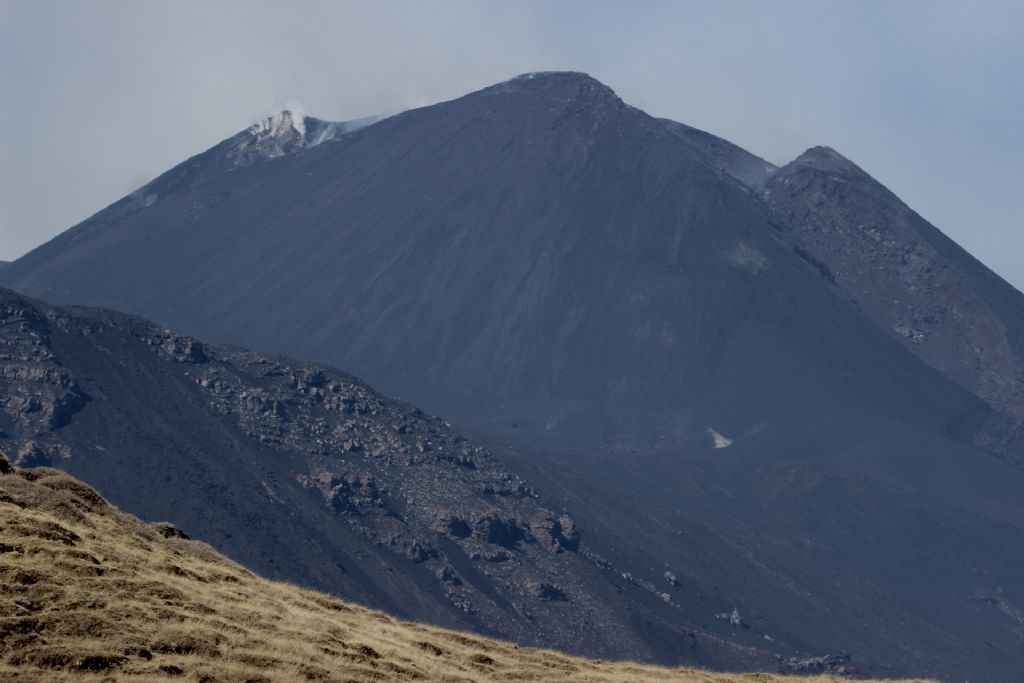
<point x="285" y="133"/>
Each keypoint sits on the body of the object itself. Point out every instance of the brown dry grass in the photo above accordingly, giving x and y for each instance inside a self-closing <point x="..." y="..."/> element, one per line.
<point x="88" y="593"/>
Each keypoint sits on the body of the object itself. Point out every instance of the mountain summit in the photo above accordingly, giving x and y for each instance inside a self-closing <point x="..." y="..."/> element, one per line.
<point x="536" y="252"/>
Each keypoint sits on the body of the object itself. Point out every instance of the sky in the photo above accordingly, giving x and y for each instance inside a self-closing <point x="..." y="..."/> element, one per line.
<point x="98" y="97"/>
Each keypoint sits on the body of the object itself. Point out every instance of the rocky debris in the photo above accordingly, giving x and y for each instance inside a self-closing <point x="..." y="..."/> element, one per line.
<point x="489" y="556"/>
<point x="351" y="490"/>
<point x="418" y="551"/>
<point x="260" y="402"/>
<point x="447" y="574"/>
<point x="44" y="405"/>
<point x="39" y="394"/>
<point x="734" y="618"/>
<point x="671" y="579"/>
<point x="40" y="397"/>
<point x="415" y="549"/>
<point x="832" y="665"/>
<point x="31" y="454"/>
<point x="492" y="528"/>
<point x="168" y="530"/>
<point x="547" y="592"/>
<point x="184" y="349"/>
<point x="461" y="601"/>
<point x="630" y="578"/>
<point x="555" y="534"/>
<point x="447" y="522"/>
<point x="509" y="485"/>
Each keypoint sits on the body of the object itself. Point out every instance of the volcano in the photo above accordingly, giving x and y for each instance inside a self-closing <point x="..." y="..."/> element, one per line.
<point x="778" y="384"/>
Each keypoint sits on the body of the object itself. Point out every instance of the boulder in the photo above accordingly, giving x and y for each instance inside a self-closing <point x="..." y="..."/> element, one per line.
<point x="490" y="527"/>
<point x="448" y="522"/>
<point x="547" y="592"/>
<point x="32" y="455"/>
<point x="168" y="530"/>
<point x="555" y="534"/>
<point x="833" y="665"/>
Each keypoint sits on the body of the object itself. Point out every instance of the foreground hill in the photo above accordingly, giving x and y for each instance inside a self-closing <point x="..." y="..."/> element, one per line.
<point x="90" y="593"/>
<point x="778" y="386"/>
<point x="305" y="474"/>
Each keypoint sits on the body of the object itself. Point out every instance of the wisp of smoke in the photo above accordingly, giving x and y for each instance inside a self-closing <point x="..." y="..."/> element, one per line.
<point x="298" y="116"/>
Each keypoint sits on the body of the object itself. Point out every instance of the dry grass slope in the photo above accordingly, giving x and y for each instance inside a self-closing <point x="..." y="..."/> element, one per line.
<point x="88" y="593"/>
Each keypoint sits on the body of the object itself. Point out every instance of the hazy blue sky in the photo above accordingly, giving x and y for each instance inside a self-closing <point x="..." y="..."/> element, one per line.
<point x="928" y="96"/>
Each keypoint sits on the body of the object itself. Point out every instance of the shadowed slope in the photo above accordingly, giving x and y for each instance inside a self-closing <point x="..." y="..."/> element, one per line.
<point x="911" y="280"/>
<point x="304" y="473"/>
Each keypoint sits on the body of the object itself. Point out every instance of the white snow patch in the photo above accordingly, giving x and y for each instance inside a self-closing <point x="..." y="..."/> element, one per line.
<point x="718" y="440"/>
<point x="748" y="258"/>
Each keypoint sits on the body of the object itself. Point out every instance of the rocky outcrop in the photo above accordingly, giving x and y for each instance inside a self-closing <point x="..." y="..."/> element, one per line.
<point x="734" y="618"/>
<point x="32" y="454"/>
<point x="547" y="592"/>
<point x="831" y="665"/>
<point x="168" y="530"/>
<point x="448" y="522"/>
<point x="350" y="490"/>
<point x="555" y="534"/>
<point x="182" y="349"/>
<point x="491" y="527"/>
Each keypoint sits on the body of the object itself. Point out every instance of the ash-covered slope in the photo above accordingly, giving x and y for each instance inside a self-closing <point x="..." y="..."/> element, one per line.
<point x="749" y="169"/>
<point x="537" y="252"/>
<point x="305" y="474"/>
<point x="911" y="280"/>
<point x="903" y="273"/>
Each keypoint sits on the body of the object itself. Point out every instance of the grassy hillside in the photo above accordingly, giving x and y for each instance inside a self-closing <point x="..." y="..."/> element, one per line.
<point x="88" y="593"/>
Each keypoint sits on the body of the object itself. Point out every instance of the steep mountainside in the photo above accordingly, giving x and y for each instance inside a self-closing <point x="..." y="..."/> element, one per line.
<point x="304" y="473"/>
<point x="89" y="593"/>
<point x="537" y="252"/>
<point x="903" y="273"/>
<point x="749" y="169"/>
<point x="911" y="280"/>
<point x="636" y="315"/>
